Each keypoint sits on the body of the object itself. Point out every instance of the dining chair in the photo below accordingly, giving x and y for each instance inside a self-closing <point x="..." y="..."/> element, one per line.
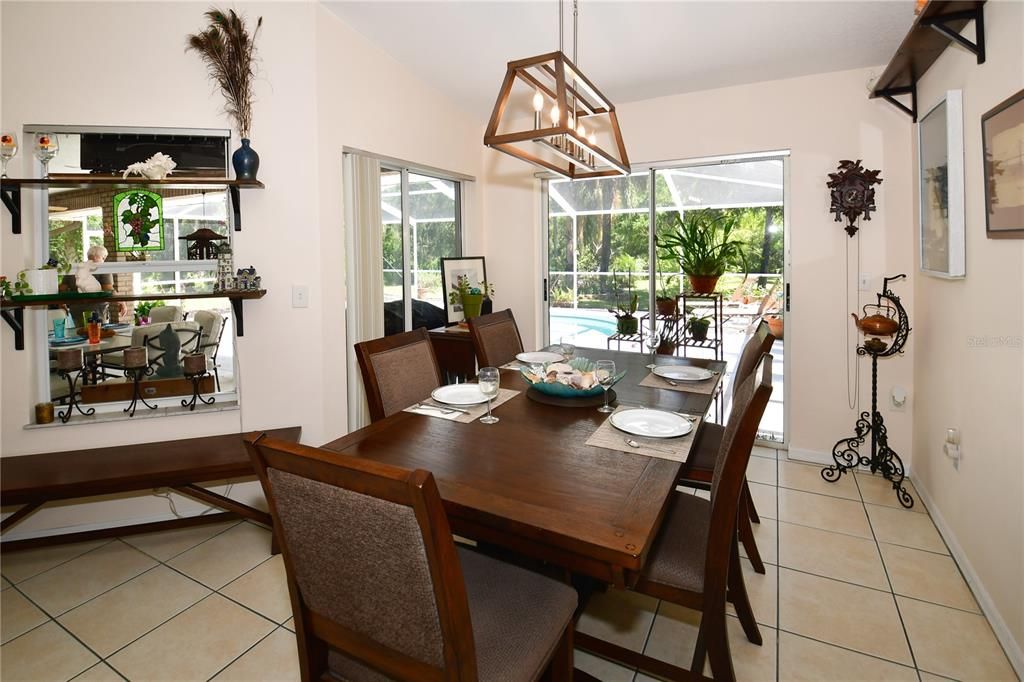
<point x="378" y="587"/>
<point x="166" y="313"/>
<point x="398" y="371"/>
<point x="496" y="338"/>
<point x="694" y="560"/>
<point x="699" y="467"/>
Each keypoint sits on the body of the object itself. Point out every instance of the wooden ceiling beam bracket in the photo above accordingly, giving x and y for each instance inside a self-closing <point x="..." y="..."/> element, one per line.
<point x="941" y="23"/>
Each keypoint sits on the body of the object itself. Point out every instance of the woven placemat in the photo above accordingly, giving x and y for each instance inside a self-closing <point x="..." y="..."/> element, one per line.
<point x="706" y="387"/>
<point x="675" y="449"/>
<point x="475" y="411"/>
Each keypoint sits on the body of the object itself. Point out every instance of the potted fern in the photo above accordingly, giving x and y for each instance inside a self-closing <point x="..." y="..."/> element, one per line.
<point x="229" y="52"/>
<point x="703" y="244"/>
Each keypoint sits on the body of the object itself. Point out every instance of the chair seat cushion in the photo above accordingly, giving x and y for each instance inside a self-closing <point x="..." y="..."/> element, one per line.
<point x="518" y="618"/>
<point x="701" y="462"/>
<point x="677" y="557"/>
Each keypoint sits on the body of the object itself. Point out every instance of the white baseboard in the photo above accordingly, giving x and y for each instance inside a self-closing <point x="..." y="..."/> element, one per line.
<point x="101" y="525"/>
<point x="988" y="607"/>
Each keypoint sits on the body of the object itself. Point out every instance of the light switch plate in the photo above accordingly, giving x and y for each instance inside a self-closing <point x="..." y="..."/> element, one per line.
<point x="864" y="282"/>
<point x="300" y="296"/>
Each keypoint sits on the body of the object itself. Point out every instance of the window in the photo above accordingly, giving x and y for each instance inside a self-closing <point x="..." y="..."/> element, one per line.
<point x="421" y="220"/>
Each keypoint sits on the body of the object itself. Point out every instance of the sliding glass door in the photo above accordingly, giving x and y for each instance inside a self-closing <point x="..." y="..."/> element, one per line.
<point x="421" y="222"/>
<point x="602" y="237"/>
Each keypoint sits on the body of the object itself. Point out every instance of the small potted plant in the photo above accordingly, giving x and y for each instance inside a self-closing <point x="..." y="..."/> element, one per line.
<point x="19" y="287"/>
<point x="704" y="246"/>
<point x="625" y="314"/>
<point x="698" y="327"/>
<point x="471" y="297"/>
<point x="142" y="310"/>
<point x="666" y="303"/>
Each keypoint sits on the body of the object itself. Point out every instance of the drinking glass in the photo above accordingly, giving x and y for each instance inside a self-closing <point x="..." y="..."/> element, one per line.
<point x="604" y="371"/>
<point x="652" y="339"/>
<point x="8" y="148"/>
<point x="46" y="147"/>
<point x="58" y="328"/>
<point x="568" y="343"/>
<point x="489" y="380"/>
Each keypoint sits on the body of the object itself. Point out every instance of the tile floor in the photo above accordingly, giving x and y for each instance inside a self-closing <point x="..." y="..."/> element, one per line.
<point x="856" y="588"/>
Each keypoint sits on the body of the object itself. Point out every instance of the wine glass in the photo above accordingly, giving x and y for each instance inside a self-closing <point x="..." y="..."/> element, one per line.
<point x="46" y="147"/>
<point x="8" y="148"/>
<point x="604" y="371"/>
<point x="489" y="381"/>
<point x="652" y="338"/>
<point x="568" y="343"/>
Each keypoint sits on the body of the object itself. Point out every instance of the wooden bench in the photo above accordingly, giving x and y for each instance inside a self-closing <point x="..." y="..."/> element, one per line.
<point x="180" y="465"/>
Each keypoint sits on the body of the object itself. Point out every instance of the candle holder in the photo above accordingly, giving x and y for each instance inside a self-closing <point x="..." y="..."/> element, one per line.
<point x="135" y="374"/>
<point x="196" y="379"/>
<point x="72" y="375"/>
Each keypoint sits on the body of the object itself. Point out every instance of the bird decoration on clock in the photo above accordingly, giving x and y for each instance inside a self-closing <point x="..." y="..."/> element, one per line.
<point x="853" y="194"/>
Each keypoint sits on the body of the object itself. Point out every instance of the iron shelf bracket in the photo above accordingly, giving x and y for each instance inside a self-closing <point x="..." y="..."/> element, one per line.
<point x="11" y="196"/>
<point x="940" y="24"/>
<point x="15" y="319"/>
<point x="236" y="307"/>
<point x="889" y="95"/>
<point x="236" y="204"/>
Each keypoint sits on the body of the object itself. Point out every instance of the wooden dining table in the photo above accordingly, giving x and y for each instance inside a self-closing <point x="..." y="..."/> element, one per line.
<point x="531" y="485"/>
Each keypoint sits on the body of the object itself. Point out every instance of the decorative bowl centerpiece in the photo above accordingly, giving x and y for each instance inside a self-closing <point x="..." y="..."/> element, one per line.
<point x="573" y="379"/>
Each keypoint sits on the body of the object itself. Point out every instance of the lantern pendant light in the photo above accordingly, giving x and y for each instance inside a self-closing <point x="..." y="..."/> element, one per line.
<point x="570" y="117"/>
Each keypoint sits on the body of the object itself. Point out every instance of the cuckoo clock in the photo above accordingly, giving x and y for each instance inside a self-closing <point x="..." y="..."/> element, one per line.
<point x="852" y="193"/>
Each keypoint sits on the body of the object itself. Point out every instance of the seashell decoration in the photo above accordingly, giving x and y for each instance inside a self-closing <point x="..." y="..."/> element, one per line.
<point x="156" y="167"/>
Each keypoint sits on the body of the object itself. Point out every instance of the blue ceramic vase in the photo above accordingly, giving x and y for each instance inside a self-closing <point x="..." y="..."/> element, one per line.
<point x="246" y="161"/>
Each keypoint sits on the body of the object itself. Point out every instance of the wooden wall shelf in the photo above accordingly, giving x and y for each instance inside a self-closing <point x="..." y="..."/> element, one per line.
<point x="10" y="188"/>
<point x="13" y="312"/>
<point x="939" y="24"/>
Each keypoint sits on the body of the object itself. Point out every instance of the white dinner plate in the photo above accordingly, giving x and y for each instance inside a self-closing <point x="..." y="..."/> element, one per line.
<point x="459" y="394"/>
<point x="682" y="373"/>
<point x="540" y="357"/>
<point x="651" y="423"/>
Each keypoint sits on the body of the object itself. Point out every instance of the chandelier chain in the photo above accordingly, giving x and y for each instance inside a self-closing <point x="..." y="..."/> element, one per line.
<point x="575" y="19"/>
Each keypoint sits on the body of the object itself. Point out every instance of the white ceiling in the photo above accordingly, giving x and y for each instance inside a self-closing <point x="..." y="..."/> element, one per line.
<point x="631" y="49"/>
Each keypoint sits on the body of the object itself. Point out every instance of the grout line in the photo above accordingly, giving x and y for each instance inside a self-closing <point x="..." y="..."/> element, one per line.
<point x="156" y="627"/>
<point x="47" y="570"/>
<point x="778" y="574"/>
<point x="846" y="648"/>
<point x="896" y="603"/>
<point x="232" y="661"/>
<point x="100" y="663"/>
<point x="188" y="549"/>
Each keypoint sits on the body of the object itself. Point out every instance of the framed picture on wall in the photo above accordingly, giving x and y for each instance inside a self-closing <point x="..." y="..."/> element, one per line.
<point x="139" y="221"/>
<point x="940" y="145"/>
<point x="472" y="268"/>
<point x="1002" y="140"/>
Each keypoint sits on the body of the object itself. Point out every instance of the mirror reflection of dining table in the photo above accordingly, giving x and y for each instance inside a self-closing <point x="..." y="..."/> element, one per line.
<point x="93" y="352"/>
<point x="531" y="485"/>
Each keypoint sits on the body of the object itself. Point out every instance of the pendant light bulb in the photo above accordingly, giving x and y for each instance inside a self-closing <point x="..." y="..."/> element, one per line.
<point x="538" y="101"/>
<point x="592" y="140"/>
<point x="554" y="115"/>
<point x="581" y="131"/>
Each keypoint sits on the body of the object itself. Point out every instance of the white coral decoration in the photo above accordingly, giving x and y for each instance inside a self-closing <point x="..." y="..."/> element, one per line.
<point x="156" y="167"/>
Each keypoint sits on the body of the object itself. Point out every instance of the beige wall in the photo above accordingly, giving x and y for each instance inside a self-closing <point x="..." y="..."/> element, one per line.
<point x="322" y="87"/>
<point x="979" y="390"/>
<point x="821" y="119"/>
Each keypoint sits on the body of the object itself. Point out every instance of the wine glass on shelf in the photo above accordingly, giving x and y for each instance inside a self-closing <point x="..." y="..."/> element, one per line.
<point x="604" y="371"/>
<point x="489" y="380"/>
<point x="46" y="147"/>
<point x="8" y="148"/>
<point x="652" y="338"/>
<point x="568" y="343"/>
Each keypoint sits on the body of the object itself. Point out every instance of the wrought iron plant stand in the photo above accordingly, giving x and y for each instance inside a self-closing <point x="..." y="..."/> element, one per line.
<point x="72" y="376"/>
<point x="883" y="459"/>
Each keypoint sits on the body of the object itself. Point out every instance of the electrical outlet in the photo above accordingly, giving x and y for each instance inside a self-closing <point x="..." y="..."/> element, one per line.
<point x="952" y="447"/>
<point x="898" y="398"/>
<point x="864" y="282"/>
<point x="300" y="296"/>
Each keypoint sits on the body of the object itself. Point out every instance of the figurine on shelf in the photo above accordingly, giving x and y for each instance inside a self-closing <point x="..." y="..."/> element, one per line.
<point x="156" y="167"/>
<point x="247" y="279"/>
<point x="225" y="268"/>
<point x="84" y="279"/>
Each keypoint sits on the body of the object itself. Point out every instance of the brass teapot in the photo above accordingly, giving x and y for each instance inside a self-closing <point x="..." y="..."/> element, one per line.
<point x="878" y="320"/>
